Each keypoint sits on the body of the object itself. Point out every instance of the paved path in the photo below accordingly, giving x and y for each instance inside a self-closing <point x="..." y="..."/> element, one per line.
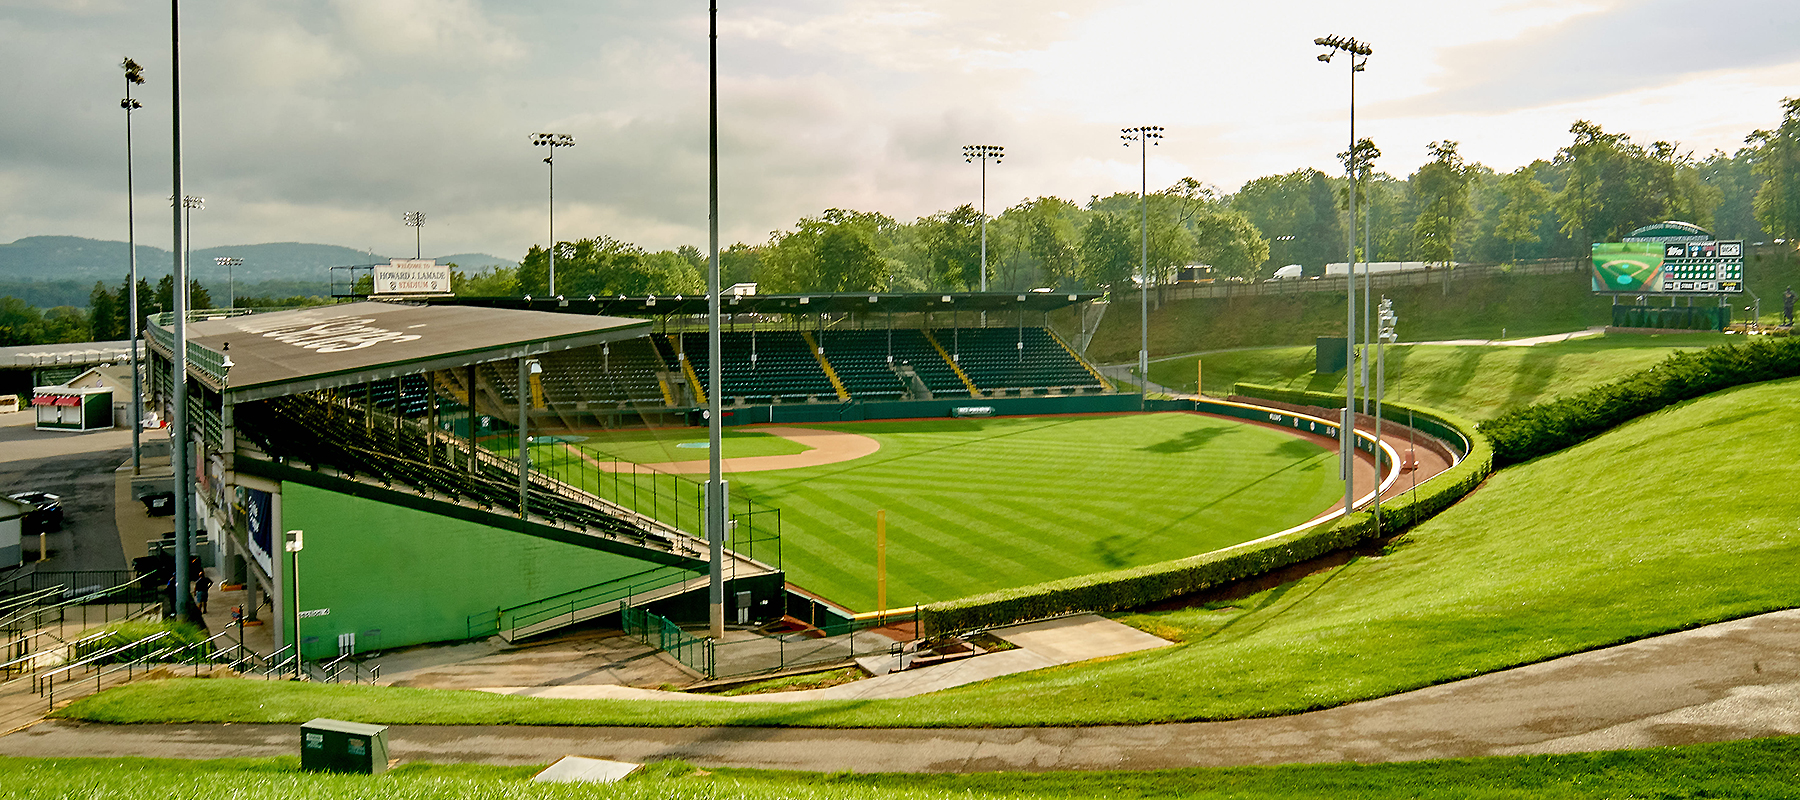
<point x="1039" y="645"/>
<point x="1733" y="680"/>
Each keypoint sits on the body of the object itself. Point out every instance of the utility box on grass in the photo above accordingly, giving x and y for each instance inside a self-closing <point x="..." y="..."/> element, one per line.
<point x="330" y="745"/>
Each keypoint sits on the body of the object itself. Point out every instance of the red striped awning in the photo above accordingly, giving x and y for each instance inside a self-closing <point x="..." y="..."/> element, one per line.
<point x="56" y="400"/>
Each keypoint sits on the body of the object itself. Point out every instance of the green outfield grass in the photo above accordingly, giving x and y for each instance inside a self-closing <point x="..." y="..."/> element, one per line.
<point x="975" y="505"/>
<point x="1759" y="768"/>
<point x="661" y="444"/>
<point x="1581" y="549"/>
<point x="1476" y="381"/>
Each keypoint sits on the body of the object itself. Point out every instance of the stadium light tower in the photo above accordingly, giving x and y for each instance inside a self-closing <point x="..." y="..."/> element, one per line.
<point x="971" y="154"/>
<point x="134" y="76"/>
<point x="189" y="204"/>
<point x="552" y="141"/>
<point x="416" y="221"/>
<point x="1145" y="136"/>
<point x="1359" y="53"/>
<point x="230" y="287"/>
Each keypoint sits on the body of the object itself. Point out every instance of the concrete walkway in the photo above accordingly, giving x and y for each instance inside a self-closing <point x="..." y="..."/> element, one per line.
<point x="1734" y="680"/>
<point x="1040" y="644"/>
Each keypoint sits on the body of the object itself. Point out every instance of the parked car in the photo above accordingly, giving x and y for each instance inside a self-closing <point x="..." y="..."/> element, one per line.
<point x="46" y="513"/>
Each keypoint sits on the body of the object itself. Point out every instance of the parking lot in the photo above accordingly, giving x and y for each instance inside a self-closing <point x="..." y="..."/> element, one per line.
<point x="81" y="468"/>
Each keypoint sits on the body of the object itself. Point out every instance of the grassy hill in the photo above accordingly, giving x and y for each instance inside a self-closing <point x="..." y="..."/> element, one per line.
<point x="1566" y="553"/>
<point x="1521" y="305"/>
<point x="1475" y="381"/>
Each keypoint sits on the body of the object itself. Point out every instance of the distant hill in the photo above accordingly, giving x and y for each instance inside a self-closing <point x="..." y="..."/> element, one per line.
<point x="47" y="258"/>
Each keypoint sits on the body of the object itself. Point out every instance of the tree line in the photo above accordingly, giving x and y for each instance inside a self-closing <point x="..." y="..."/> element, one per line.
<point x="1597" y="188"/>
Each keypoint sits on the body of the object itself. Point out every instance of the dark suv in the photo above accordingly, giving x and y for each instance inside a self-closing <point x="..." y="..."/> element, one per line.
<point x="46" y="513"/>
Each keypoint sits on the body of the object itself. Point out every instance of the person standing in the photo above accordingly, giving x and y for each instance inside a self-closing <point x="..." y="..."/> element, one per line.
<point x="1787" y="306"/>
<point x="202" y="585"/>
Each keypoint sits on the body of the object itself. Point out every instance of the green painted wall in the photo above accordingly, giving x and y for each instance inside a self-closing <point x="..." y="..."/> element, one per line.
<point x="398" y="576"/>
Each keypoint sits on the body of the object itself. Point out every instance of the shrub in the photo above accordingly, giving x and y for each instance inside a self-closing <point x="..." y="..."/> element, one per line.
<point x="1526" y="433"/>
<point x="1139" y="586"/>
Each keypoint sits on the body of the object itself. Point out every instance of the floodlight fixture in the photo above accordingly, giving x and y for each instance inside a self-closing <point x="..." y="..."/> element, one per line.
<point x="552" y="141"/>
<point x="230" y="287"/>
<point x="134" y="76"/>
<point x="1359" y="59"/>
<point x="416" y="221"/>
<point x="982" y="153"/>
<point x="1145" y="136"/>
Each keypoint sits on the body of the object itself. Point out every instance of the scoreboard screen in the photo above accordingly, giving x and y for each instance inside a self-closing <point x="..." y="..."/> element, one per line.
<point x="1708" y="268"/>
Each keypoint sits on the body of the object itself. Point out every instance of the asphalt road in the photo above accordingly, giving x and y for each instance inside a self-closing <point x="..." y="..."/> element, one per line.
<point x="79" y="467"/>
<point x="1733" y="680"/>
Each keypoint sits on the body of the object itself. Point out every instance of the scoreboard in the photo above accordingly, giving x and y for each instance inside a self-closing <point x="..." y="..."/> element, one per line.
<point x="1674" y="268"/>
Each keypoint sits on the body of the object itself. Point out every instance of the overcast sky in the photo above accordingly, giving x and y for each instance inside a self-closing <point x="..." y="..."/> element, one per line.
<point x="324" y="120"/>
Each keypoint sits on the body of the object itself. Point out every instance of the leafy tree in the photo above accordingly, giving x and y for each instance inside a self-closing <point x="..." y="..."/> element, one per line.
<point x="837" y="251"/>
<point x="1302" y="204"/>
<point x="19" y="322"/>
<point x="1615" y="185"/>
<point x="1046" y="240"/>
<point x="495" y="281"/>
<point x="1777" y="162"/>
<point x="198" y="297"/>
<point x="606" y="266"/>
<point x="1737" y="183"/>
<point x="1442" y="186"/>
<point x="952" y="242"/>
<point x="1228" y="241"/>
<point x="104" y="319"/>
<point x="740" y="263"/>
<point x="1109" y="249"/>
<point x="1527" y="200"/>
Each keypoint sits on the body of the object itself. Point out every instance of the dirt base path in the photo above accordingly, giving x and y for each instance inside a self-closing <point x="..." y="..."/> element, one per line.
<point x="1733" y="680"/>
<point x="828" y="447"/>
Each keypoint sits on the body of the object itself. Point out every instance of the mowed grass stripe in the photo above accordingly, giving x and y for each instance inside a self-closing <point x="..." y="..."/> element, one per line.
<point x="977" y="505"/>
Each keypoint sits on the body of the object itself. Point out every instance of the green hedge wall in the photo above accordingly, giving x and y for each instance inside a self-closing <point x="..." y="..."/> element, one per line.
<point x="1526" y="433"/>
<point x="1139" y="586"/>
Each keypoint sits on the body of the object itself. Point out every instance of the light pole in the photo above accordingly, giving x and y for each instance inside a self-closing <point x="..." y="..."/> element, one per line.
<point x="971" y="154"/>
<point x="1359" y="59"/>
<point x="188" y="204"/>
<point x="552" y="141"/>
<point x="416" y="221"/>
<point x="718" y="497"/>
<point x="134" y="76"/>
<point x="230" y="285"/>
<point x="294" y="544"/>
<point x="178" y="437"/>
<point x="1145" y="136"/>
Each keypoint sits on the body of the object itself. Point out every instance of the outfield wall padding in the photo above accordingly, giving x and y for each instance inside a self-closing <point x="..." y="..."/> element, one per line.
<point x="1139" y="586"/>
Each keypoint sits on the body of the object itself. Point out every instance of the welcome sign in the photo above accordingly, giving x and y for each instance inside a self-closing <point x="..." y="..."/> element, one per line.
<point x="411" y="276"/>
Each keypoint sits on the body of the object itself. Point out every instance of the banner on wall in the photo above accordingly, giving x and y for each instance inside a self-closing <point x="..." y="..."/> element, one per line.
<point x="259" y="518"/>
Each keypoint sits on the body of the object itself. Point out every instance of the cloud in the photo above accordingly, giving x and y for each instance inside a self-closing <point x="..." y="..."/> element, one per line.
<point x="1625" y="48"/>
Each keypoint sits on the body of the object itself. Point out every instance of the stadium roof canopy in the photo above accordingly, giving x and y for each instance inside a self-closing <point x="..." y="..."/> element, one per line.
<point x="286" y="352"/>
<point x="815" y="303"/>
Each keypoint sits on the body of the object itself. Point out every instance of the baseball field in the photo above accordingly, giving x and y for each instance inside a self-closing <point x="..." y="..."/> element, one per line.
<point x="975" y="505"/>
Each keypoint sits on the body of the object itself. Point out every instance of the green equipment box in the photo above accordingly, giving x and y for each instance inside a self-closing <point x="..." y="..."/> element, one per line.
<point x="330" y="745"/>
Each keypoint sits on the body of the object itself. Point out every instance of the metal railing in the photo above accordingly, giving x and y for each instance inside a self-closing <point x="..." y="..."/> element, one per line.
<point x="653" y="630"/>
<point x="570" y="604"/>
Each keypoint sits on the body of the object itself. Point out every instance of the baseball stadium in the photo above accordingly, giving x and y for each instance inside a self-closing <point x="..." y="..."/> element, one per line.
<point x="877" y="463"/>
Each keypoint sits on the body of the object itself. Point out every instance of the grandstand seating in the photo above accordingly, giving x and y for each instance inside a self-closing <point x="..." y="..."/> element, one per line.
<point x="1017" y="358"/>
<point x="783" y="368"/>
<point x="866" y="353"/>
<point x="622" y="372"/>
<point x="322" y="433"/>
